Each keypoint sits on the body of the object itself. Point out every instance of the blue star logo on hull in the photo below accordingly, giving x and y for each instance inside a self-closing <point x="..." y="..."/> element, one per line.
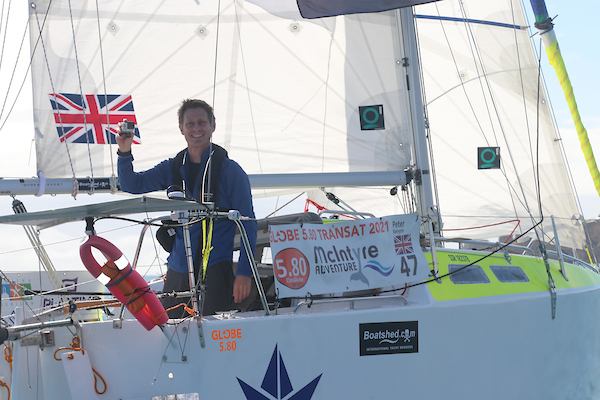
<point x="277" y="383"/>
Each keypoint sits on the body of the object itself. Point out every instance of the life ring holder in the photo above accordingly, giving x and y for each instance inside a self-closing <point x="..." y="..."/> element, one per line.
<point x="141" y="301"/>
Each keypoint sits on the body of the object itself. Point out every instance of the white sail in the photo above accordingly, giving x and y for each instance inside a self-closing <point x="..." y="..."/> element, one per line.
<point x="287" y="94"/>
<point x="286" y="91"/>
<point x="481" y="82"/>
<point x="480" y="79"/>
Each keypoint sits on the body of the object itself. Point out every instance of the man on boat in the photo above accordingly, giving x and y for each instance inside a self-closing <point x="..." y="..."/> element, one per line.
<point x="231" y="189"/>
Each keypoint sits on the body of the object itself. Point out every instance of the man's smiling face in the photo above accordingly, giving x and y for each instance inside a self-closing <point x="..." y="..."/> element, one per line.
<point x="197" y="128"/>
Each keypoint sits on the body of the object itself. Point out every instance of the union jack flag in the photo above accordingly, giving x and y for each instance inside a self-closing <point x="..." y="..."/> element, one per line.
<point x="83" y="119"/>
<point x="403" y="245"/>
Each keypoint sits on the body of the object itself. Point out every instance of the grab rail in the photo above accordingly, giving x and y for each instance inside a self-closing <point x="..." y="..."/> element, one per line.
<point x="310" y="302"/>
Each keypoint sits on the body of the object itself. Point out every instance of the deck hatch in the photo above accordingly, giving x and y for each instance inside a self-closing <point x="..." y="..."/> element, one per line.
<point x="509" y="273"/>
<point x="471" y="274"/>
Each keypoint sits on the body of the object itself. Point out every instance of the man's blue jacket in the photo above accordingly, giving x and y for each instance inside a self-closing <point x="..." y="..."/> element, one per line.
<point x="234" y="194"/>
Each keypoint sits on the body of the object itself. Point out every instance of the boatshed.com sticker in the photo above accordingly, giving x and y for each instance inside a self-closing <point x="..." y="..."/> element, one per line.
<point x="389" y="338"/>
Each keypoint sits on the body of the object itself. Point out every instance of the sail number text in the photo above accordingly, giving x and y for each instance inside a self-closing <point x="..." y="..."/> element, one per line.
<point x="227" y="338"/>
<point x="405" y="267"/>
<point x="291" y="268"/>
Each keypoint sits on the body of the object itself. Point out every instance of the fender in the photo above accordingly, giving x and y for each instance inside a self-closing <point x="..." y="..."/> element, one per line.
<point x="125" y="283"/>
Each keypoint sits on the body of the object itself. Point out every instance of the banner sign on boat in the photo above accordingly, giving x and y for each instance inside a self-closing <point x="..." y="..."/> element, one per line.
<point x="347" y="256"/>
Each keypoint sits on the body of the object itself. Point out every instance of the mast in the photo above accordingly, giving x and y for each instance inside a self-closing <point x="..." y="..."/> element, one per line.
<point x="545" y="27"/>
<point x="423" y="182"/>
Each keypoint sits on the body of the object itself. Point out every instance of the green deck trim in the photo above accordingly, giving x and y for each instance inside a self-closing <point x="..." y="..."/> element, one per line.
<point x="534" y="268"/>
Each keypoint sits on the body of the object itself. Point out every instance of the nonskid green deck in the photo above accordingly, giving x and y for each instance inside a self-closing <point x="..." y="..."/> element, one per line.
<point x="534" y="268"/>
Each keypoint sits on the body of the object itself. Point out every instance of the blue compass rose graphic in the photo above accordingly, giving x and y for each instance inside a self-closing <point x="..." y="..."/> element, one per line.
<point x="277" y="383"/>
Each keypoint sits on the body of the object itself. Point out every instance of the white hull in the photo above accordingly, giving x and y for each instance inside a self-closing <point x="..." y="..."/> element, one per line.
<point x="499" y="347"/>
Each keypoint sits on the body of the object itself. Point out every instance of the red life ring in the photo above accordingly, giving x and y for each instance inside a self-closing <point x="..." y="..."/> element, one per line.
<point x="125" y="283"/>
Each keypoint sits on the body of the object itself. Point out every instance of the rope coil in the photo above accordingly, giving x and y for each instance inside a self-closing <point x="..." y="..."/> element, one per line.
<point x="75" y="346"/>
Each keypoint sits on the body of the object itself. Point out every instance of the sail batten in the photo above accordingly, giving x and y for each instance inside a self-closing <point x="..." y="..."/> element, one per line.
<point x="470" y="21"/>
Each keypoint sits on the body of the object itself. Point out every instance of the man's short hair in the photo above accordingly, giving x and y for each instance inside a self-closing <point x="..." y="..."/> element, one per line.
<point x="188" y="104"/>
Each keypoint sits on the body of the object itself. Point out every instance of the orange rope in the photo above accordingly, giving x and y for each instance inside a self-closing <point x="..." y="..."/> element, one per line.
<point x="76" y="347"/>
<point x="118" y="279"/>
<point x="8" y="356"/>
<point x="189" y="310"/>
<point x="96" y="374"/>
<point x="7" y="388"/>
<point x="155" y="319"/>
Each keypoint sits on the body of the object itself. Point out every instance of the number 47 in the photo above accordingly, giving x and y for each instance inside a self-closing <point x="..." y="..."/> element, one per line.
<point x="404" y="268"/>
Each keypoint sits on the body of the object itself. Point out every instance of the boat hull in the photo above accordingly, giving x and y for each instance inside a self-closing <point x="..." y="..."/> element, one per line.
<point x="498" y="347"/>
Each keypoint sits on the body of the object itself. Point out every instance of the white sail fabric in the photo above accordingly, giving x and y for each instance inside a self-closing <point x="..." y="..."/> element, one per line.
<point x="480" y="80"/>
<point x="286" y="91"/>
<point x="481" y="84"/>
<point x="288" y="94"/>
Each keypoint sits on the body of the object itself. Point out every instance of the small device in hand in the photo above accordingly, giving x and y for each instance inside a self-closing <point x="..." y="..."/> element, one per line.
<point x="127" y="128"/>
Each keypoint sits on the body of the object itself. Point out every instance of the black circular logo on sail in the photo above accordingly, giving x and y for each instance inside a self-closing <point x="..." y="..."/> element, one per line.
<point x="488" y="157"/>
<point x="371" y="117"/>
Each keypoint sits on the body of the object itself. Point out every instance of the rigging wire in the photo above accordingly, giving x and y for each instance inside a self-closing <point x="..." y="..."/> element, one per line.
<point x="520" y="69"/>
<point x="325" y="100"/>
<point x="13" y="76"/>
<point x="156" y="251"/>
<point x="61" y="291"/>
<point x="537" y="148"/>
<point x="244" y="69"/>
<point x="553" y="116"/>
<point x="5" y="30"/>
<point x="285" y="205"/>
<point x="538" y="53"/>
<point x="426" y="123"/>
<point x="40" y="39"/>
<point x="43" y="258"/>
<point x="483" y="76"/>
<point x="205" y="189"/>
<point x="474" y="48"/>
<point x="83" y="100"/>
<point x="462" y="83"/>
<point x="108" y="133"/>
<point x="477" y="55"/>
<point x="216" y="52"/>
